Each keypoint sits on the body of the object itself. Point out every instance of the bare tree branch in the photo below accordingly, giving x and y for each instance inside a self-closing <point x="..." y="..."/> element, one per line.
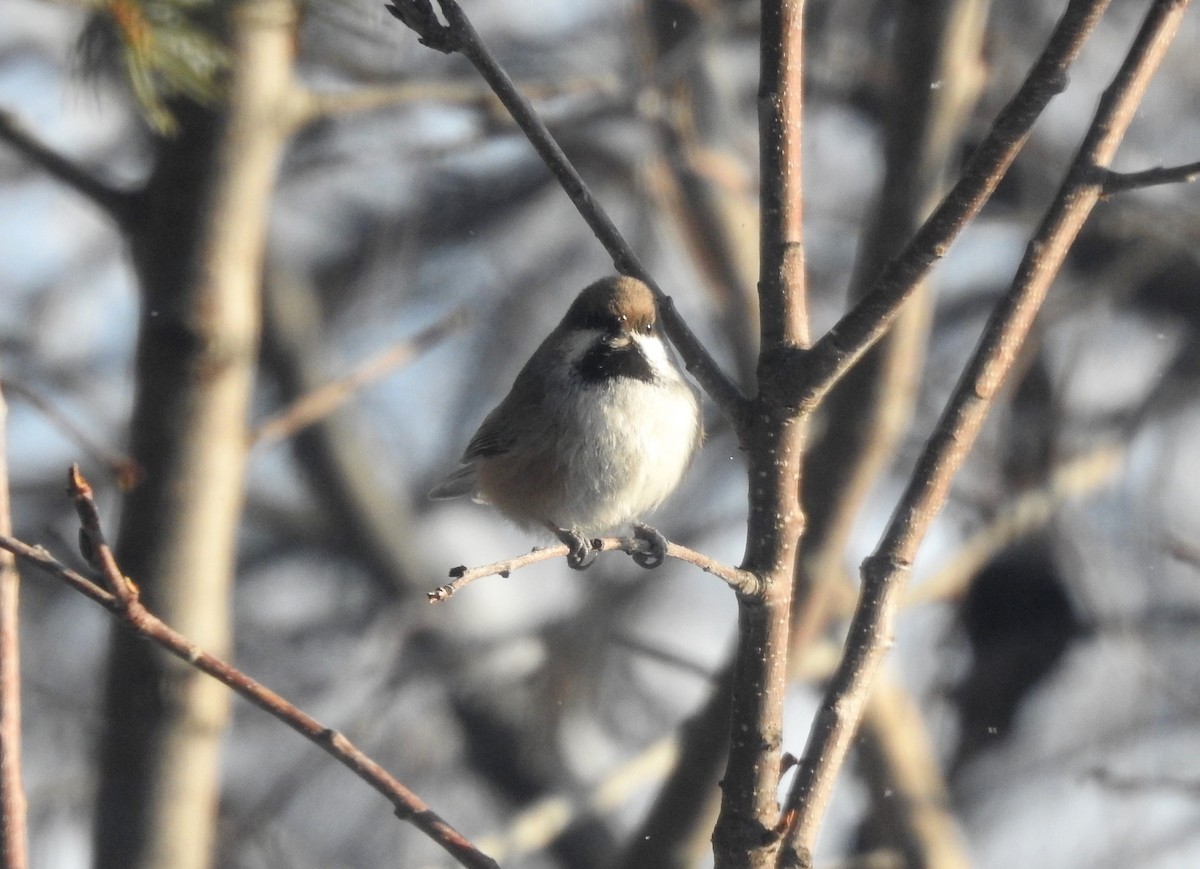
<point x="120" y="205"/>
<point x="126" y="471"/>
<point x="884" y="572"/>
<point x="198" y="255"/>
<point x="898" y="760"/>
<point x="458" y="35"/>
<point x="310" y="408"/>
<point x="1026" y="513"/>
<point x="14" y="841"/>
<point x="121" y="599"/>
<point x="538" y="825"/>
<point x="870" y="409"/>
<point x="807" y="376"/>
<point x="773" y="439"/>
<point x="1121" y="182"/>
<point x="741" y="581"/>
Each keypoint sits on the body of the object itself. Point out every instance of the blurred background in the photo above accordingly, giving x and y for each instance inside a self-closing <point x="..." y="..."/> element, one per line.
<point x="1041" y="700"/>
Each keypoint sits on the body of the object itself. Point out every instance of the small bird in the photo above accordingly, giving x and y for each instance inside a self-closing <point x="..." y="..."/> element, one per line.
<point x="597" y="430"/>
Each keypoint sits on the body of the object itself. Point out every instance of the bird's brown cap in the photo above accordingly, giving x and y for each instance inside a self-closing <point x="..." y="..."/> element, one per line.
<point x="614" y="304"/>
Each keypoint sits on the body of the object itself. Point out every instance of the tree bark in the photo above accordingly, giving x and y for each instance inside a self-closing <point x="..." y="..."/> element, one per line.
<point x="198" y="255"/>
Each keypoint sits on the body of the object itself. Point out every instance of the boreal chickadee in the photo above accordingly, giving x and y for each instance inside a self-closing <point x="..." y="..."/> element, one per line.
<point x="597" y="430"/>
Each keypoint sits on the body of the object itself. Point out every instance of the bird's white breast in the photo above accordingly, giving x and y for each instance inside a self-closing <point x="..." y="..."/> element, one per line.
<point x="633" y="443"/>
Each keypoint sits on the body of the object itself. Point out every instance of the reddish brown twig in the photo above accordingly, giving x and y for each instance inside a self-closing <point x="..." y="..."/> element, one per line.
<point x="133" y="614"/>
<point x="739" y="580"/>
<point x="884" y="572"/>
<point x="310" y="408"/>
<point x="14" y="845"/>
<point x="92" y="544"/>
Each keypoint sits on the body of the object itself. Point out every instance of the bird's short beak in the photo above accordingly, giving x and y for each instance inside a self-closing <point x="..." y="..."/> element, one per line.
<point x="621" y="339"/>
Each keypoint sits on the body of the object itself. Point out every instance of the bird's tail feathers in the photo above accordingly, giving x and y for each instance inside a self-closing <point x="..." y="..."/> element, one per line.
<point x="458" y="484"/>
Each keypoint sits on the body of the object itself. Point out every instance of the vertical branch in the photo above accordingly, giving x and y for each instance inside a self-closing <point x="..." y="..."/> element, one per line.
<point x="884" y="572"/>
<point x="773" y="439"/>
<point x="782" y="306"/>
<point x="13" y="845"/>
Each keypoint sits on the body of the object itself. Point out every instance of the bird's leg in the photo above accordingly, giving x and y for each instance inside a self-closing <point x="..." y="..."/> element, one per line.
<point x="581" y="553"/>
<point x="657" y="543"/>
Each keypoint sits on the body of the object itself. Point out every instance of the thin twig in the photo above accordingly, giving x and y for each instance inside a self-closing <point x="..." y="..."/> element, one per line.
<point x="118" y="204"/>
<point x="884" y="572"/>
<point x="458" y="35"/>
<point x="14" y="842"/>
<point x="92" y="543"/>
<point x="314" y="406"/>
<point x="126" y="471"/>
<point x="134" y="615"/>
<point x="807" y="377"/>
<point x="741" y="581"/>
<point x="1121" y="182"/>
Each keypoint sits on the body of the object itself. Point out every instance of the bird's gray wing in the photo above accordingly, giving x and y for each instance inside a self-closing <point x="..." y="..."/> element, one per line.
<point x="520" y="417"/>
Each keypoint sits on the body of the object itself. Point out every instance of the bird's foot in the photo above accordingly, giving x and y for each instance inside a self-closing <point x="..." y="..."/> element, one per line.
<point x="657" y="543"/>
<point x="581" y="554"/>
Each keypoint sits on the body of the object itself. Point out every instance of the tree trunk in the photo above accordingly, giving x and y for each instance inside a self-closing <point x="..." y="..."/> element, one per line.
<point x="198" y="255"/>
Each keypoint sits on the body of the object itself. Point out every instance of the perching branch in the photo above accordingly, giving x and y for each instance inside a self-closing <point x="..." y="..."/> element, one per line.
<point x="125" y="604"/>
<point x="458" y="35"/>
<point x="120" y="205"/>
<point x="884" y="572"/>
<point x="807" y="376"/>
<point x="741" y="581"/>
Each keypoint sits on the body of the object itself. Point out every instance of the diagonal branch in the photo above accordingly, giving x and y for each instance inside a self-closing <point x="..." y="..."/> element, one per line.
<point x="808" y="376"/>
<point x="120" y="205"/>
<point x="128" y="608"/>
<point x="324" y="400"/>
<point x="884" y="572"/>
<point x="458" y="35"/>
<point x="126" y="471"/>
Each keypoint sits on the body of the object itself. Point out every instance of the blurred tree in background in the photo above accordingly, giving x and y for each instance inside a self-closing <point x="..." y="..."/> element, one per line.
<point x="210" y="210"/>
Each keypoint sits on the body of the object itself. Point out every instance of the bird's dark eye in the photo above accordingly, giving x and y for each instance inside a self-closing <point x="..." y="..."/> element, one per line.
<point x="647" y="328"/>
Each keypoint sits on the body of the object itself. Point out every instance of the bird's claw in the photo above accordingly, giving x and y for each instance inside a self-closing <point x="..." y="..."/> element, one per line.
<point x="581" y="554"/>
<point x="657" y="543"/>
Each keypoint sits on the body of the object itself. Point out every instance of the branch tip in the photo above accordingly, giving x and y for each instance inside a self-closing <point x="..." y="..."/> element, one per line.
<point x="77" y="485"/>
<point x="419" y="17"/>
